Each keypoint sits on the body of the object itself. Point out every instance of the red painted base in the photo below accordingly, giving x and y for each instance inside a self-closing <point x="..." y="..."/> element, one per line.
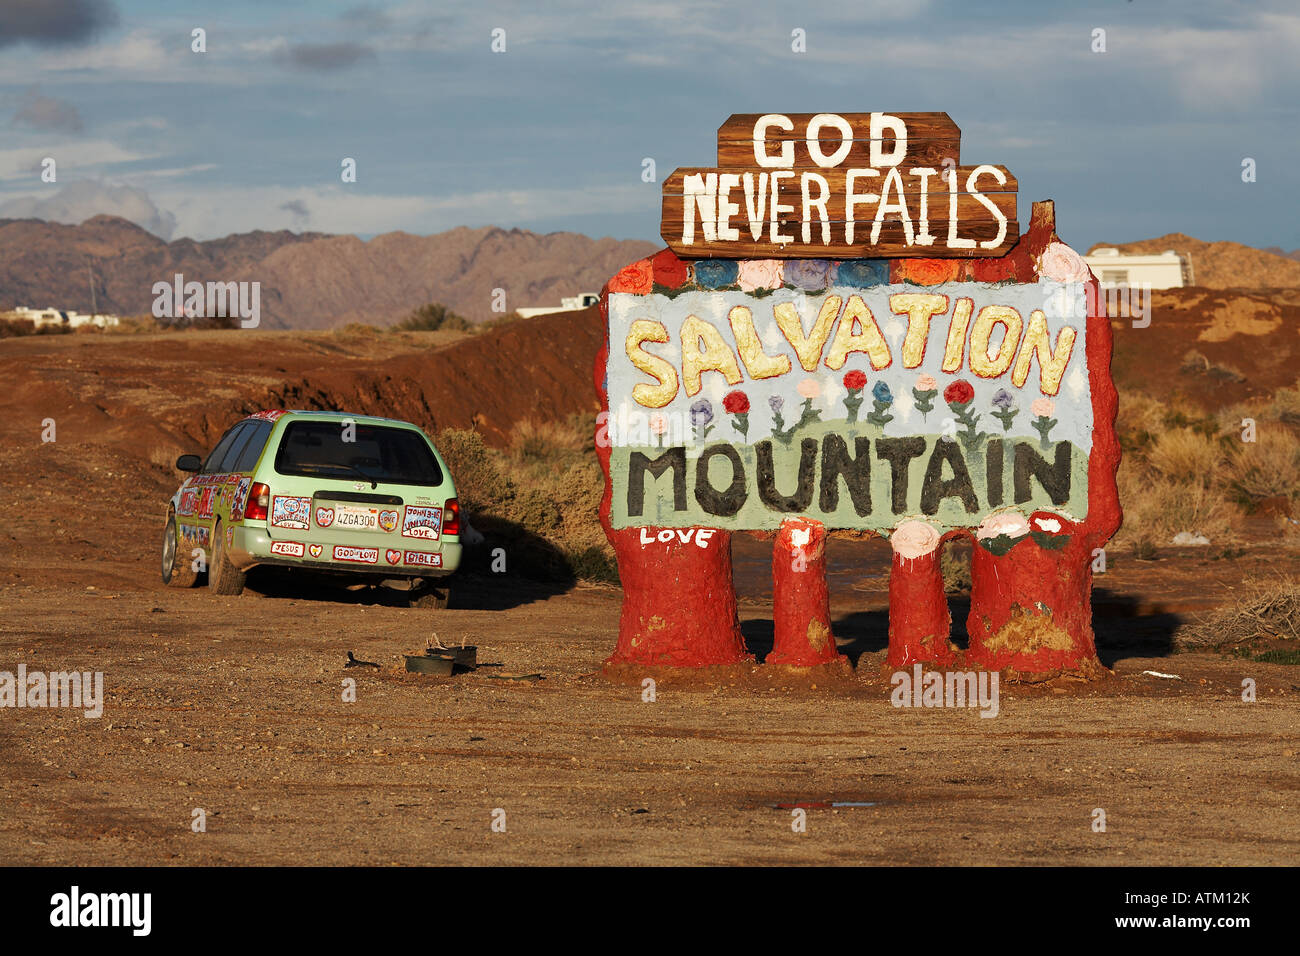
<point x="801" y="602"/>
<point x="919" y="622"/>
<point x="1030" y="610"/>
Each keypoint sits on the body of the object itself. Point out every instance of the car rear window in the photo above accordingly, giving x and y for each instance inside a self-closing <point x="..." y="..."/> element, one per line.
<point x="396" y="456"/>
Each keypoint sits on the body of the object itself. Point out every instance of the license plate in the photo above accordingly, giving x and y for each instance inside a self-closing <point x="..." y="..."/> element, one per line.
<point x="352" y="518"/>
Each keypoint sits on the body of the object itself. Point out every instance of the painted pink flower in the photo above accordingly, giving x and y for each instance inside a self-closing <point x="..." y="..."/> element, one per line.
<point x="658" y="423"/>
<point x="1060" y="263"/>
<point x="760" y="274"/>
<point x="1043" y="407"/>
<point x="809" y="388"/>
<point x="914" y="539"/>
<point x="926" y="383"/>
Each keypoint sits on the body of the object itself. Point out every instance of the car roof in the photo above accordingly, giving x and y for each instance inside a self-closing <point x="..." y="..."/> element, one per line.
<point x="310" y="415"/>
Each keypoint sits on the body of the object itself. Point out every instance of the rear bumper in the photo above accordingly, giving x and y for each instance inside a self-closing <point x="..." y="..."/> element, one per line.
<point x="405" y="559"/>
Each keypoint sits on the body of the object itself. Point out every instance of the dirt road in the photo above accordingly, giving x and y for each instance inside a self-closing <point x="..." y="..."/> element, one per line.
<point x="234" y="706"/>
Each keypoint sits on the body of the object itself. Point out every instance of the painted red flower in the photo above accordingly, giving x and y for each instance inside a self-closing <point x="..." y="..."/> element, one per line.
<point x="958" y="393"/>
<point x="635" y="278"/>
<point x="855" y="380"/>
<point x="737" y="403"/>
<point x="668" y="270"/>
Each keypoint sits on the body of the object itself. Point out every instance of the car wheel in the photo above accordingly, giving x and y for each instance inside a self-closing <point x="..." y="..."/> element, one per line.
<point x="430" y="597"/>
<point x="177" y="570"/>
<point x="223" y="577"/>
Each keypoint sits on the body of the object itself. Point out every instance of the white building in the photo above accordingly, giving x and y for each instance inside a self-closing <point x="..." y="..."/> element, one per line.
<point x="50" y="317"/>
<point x="583" y="300"/>
<point x="1168" y="270"/>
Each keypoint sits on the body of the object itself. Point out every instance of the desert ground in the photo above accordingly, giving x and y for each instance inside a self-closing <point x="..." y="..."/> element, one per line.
<point x="234" y="706"/>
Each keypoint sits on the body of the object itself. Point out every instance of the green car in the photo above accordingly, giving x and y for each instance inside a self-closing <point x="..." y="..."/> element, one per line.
<point x="325" y="491"/>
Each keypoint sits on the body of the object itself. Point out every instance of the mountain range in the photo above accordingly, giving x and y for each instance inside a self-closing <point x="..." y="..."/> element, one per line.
<point x="308" y="280"/>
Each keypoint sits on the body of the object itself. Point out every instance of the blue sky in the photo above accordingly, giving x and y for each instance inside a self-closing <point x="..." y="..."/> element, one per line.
<point x="1144" y="139"/>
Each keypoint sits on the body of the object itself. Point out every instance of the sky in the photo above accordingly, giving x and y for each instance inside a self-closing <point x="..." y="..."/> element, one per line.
<point x="1145" y="138"/>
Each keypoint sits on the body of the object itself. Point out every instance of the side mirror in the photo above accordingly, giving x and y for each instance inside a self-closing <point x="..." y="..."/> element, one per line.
<point x="189" y="463"/>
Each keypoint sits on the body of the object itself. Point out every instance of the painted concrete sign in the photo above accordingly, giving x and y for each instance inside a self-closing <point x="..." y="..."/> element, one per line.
<point x="857" y="405"/>
<point x="850" y="333"/>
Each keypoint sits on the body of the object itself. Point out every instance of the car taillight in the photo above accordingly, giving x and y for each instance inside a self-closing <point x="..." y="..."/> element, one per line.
<point x="451" y="517"/>
<point x="259" y="499"/>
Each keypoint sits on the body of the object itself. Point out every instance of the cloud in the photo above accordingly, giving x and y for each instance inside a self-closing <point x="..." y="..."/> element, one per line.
<point x="79" y="201"/>
<point x="298" y="209"/>
<point x="46" y="113"/>
<point x="54" y="22"/>
<point x="367" y="16"/>
<point x="328" y="56"/>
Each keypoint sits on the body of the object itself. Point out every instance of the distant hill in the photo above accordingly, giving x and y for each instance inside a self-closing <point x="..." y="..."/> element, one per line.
<point x="308" y="280"/>
<point x="1224" y="265"/>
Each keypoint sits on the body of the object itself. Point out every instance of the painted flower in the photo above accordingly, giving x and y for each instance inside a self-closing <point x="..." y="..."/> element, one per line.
<point x="701" y="412"/>
<point x="759" y="274"/>
<point x="776" y="403"/>
<point x="658" y="423"/>
<point x="737" y="403"/>
<point x="927" y="271"/>
<point x="1043" y="407"/>
<point x="881" y="393"/>
<point x="811" y="275"/>
<point x="702" y="417"/>
<point x="1060" y="263"/>
<point x="667" y="270"/>
<point x="859" y="272"/>
<point x="855" y="380"/>
<point x="809" y="388"/>
<point x="959" y="392"/>
<point x="1002" y="399"/>
<point x="715" y="273"/>
<point x="1009" y="523"/>
<point x="914" y="539"/>
<point x="636" y="278"/>
<point x="926" y="383"/>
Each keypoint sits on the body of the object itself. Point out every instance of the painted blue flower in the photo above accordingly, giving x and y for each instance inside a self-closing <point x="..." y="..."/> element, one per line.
<point x="776" y="402"/>
<point x="702" y="412"/>
<point x="881" y="393"/>
<point x="861" y="272"/>
<point x="1002" y="399"/>
<point x="716" y="273"/>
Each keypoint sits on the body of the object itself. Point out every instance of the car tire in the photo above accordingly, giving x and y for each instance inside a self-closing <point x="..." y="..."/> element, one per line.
<point x="223" y="577"/>
<point x="177" y="570"/>
<point x="430" y="596"/>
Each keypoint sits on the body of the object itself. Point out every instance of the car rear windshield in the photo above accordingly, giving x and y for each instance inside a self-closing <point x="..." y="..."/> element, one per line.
<point x="377" y="453"/>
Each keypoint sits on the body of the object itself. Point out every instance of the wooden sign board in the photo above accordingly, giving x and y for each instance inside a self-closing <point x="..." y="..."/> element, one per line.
<point x="840" y="186"/>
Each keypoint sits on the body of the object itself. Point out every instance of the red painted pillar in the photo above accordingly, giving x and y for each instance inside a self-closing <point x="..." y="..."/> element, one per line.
<point x="1031" y="608"/>
<point x="919" y="622"/>
<point x="801" y="602"/>
<point x="679" y="604"/>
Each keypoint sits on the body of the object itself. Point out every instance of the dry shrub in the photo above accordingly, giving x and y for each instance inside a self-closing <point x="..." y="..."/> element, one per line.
<point x="1286" y="405"/>
<point x="532" y="440"/>
<point x="1141" y="418"/>
<point x="164" y="456"/>
<point x="538" y="499"/>
<point x="1268" y="467"/>
<point x="1266" y="609"/>
<point x="1186" y="456"/>
<point x="1157" y="508"/>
